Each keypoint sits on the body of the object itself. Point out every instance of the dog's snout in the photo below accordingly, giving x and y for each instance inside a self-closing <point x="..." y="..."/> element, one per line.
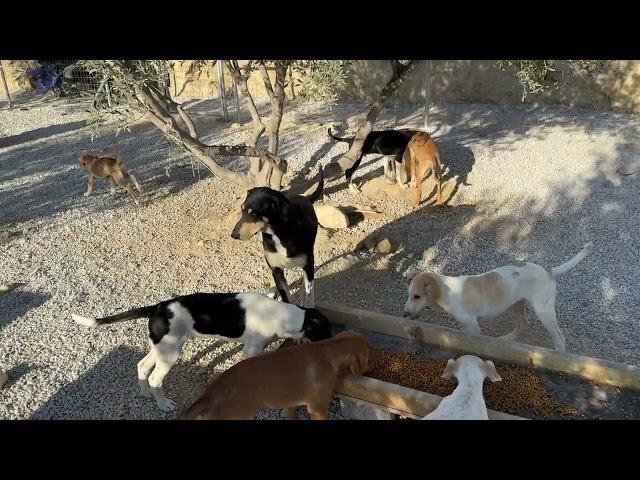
<point x="235" y="235"/>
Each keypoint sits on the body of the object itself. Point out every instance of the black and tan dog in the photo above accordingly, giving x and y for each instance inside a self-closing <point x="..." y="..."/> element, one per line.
<point x="289" y="225"/>
<point x="111" y="168"/>
<point x="390" y="143"/>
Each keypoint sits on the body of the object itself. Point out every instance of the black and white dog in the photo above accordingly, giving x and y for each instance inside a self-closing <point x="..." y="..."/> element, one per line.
<point x="252" y="319"/>
<point x="289" y="225"/>
<point x="390" y="143"/>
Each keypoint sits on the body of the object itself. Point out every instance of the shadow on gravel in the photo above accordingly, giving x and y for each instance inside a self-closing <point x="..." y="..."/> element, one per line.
<point x="16" y="303"/>
<point x="40" y="133"/>
<point x="597" y="303"/>
<point x="109" y="390"/>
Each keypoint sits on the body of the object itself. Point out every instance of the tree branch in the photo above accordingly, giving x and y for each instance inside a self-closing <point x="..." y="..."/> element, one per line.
<point x="172" y="103"/>
<point x="266" y="80"/>
<point x="400" y="74"/>
<point x="165" y="122"/>
<point x="241" y="82"/>
<point x="255" y="164"/>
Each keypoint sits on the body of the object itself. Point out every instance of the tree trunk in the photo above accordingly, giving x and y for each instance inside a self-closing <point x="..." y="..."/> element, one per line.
<point x="400" y="73"/>
<point x="270" y="173"/>
<point x="158" y="113"/>
<point x="161" y="119"/>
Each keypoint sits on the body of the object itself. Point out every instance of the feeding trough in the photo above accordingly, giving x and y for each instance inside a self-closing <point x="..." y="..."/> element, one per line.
<point x="537" y="382"/>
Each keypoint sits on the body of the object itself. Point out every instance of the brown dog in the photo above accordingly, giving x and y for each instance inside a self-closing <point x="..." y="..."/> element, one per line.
<point x="111" y="168"/>
<point x="303" y="374"/>
<point x="422" y="156"/>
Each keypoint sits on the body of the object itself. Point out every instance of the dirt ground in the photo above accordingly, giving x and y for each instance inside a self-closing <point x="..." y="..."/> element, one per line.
<point x="524" y="183"/>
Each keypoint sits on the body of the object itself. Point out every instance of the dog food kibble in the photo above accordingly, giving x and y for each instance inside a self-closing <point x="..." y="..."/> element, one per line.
<point x="521" y="389"/>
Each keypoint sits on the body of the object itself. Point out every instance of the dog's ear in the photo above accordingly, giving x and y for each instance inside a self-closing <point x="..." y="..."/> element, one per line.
<point x="490" y="370"/>
<point x="275" y="204"/>
<point x="360" y="361"/>
<point x="450" y="369"/>
<point x="432" y="288"/>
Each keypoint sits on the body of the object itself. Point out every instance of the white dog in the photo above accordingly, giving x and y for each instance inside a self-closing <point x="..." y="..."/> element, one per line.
<point x="469" y="297"/>
<point x="466" y="402"/>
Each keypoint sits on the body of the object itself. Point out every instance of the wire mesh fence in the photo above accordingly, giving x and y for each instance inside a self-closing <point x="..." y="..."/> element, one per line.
<point x="210" y="81"/>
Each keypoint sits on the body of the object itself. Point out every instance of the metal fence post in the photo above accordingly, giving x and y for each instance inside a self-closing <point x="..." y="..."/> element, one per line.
<point x="427" y="93"/>
<point x="235" y="93"/>
<point x="223" y="98"/>
<point x="4" y="85"/>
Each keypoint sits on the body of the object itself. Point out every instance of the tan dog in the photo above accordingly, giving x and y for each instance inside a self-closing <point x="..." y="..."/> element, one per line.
<point x="422" y="155"/>
<point x="303" y="374"/>
<point x="111" y="168"/>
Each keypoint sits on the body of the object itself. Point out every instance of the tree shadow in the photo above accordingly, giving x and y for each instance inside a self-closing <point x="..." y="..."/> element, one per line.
<point x="14" y="373"/>
<point x="40" y="133"/>
<point x="17" y="303"/>
<point x="597" y="302"/>
<point x="42" y="178"/>
<point x="109" y="390"/>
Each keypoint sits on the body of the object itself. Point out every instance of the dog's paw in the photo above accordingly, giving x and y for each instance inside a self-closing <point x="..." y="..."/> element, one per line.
<point x="165" y="404"/>
<point x="403" y="186"/>
<point x="86" y="194"/>
<point x="144" y="390"/>
<point x="415" y="332"/>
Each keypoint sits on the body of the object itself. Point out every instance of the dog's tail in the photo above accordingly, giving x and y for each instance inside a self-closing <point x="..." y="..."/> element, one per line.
<point x="317" y="193"/>
<point x="565" y="267"/>
<point x="118" y="317"/>
<point x="339" y="139"/>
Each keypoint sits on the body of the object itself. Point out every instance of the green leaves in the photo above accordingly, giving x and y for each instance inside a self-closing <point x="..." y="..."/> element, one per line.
<point x="321" y="79"/>
<point x="532" y="74"/>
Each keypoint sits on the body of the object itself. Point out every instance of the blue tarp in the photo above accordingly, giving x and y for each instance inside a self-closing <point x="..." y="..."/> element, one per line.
<point x="45" y="76"/>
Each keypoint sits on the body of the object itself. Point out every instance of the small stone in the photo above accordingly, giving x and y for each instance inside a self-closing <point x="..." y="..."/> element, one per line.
<point x="429" y="254"/>
<point x="4" y="378"/>
<point x="384" y="246"/>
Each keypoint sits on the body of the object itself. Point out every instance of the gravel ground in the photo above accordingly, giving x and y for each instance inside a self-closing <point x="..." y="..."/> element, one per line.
<point x="528" y="183"/>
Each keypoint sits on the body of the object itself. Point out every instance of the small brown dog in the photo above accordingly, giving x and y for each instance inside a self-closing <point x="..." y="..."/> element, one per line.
<point x="303" y="374"/>
<point x="111" y="168"/>
<point x="422" y="156"/>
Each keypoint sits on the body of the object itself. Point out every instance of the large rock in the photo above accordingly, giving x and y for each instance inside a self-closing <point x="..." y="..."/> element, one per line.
<point x="330" y="217"/>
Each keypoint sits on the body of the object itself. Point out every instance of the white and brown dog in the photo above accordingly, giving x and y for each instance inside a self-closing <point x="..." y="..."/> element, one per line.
<point x="467" y="401"/>
<point x="469" y="297"/>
